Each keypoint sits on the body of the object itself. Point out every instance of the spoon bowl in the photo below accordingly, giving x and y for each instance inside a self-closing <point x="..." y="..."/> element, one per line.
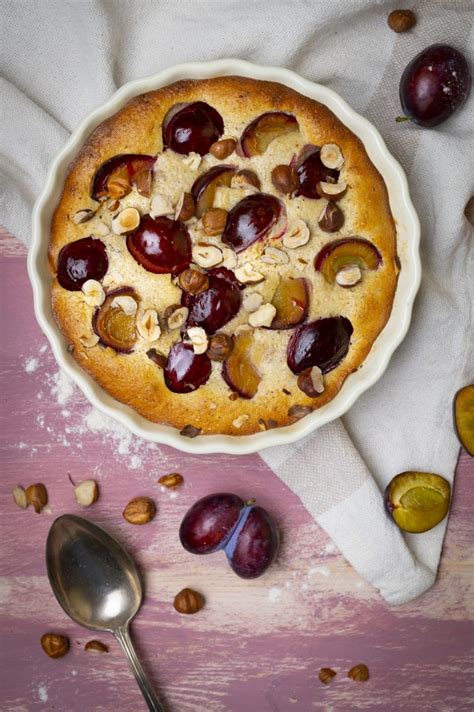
<point x="97" y="584"/>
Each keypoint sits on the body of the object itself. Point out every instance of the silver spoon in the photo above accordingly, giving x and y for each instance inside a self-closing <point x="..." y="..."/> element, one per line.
<point x="96" y="582"/>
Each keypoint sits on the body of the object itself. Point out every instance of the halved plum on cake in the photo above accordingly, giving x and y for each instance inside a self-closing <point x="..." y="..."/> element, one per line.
<point x="80" y="261"/>
<point x="204" y="187"/>
<point x="116" y="177"/>
<point x="160" y="245"/>
<point x="346" y="252"/>
<point x="323" y="343"/>
<point x="239" y="371"/>
<point x="250" y="220"/>
<point x="291" y="300"/>
<point x="258" y="135"/>
<point x="115" y="321"/>
<point x="192" y="127"/>
<point x="213" y="307"/>
<point x="311" y="170"/>
<point x="184" y="370"/>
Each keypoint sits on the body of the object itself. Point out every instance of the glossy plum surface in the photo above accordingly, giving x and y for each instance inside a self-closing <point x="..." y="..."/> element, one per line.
<point x="160" y="245"/>
<point x="192" y="127"/>
<point x="217" y="305"/>
<point x="185" y="371"/>
<point x="323" y="343"/>
<point x="311" y="171"/>
<point x="81" y="260"/>
<point x="208" y="525"/>
<point x="127" y="165"/>
<point x="291" y="300"/>
<point x="254" y="543"/>
<point x="434" y="85"/>
<point x="250" y="220"/>
<point x="338" y="254"/>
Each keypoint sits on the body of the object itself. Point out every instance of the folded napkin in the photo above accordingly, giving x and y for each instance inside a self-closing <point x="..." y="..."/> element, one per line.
<point x="61" y="58"/>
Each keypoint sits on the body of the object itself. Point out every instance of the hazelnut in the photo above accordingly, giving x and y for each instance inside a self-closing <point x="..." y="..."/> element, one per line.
<point x="126" y="221"/>
<point x="190" y="431"/>
<point x="139" y="510"/>
<point x="401" y="20"/>
<point x="268" y="424"/>
<point x="148" y="325"/>
<point x="223" y="148"/>
<point x="296" y="235"/>
<point x="331" y="156"/>
<point x="37" y="496"/>
<point x="311" y="382"/>
<point x="95" y="646"/>
<point x="245" y="177"/>
<point x="326" y="675"/>
<point x="220" y="346"/>
<point x="214" y="221"/>
<point x="263" y="316"/>
<point x="198" y="338"/>
<point x="192" y="281"/>
<point x="171" y="481"/>
<point x="359" y="672"/>
<point x="118" y="185"/>
<point x="332" y="218"/>
<point x="331" y="191"/>
<point x="55" y="645"/>
<point x="176" y="316"/>
<point x="19" y="497"/>
<point x="142" y="181"/>
<point x="82" y="216"/>
<point x="156" y="357"/>
<point x="188" y="601"/>
<point x="296" y="412"/>
<point x="86" y="493"/>
<point x="348" y="276"/>
<point x="187" y="207"/>
<point x="207" y="256"/>
<point x="285" y="178"/>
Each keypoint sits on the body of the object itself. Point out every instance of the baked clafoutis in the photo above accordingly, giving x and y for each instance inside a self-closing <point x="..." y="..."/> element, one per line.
<point x="223" y="255"/>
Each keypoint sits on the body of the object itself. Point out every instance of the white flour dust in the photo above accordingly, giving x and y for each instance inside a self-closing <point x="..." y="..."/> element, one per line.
<point x="43" y="693"/>
<point x="78" y="418"/>
<point x="274" y="594"/>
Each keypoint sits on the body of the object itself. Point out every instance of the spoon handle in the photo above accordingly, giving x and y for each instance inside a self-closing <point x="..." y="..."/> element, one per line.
<point x="152" y="700"/>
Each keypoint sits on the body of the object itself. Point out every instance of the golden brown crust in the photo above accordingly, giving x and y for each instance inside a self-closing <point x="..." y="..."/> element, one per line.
<point x="137" y="381"/>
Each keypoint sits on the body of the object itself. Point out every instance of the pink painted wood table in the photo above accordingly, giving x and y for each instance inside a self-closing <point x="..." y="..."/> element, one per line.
<point x="256" y="646"/>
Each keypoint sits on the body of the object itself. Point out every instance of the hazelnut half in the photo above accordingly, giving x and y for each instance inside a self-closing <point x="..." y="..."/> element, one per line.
<point x="214" y="220"/>
<point x="326" y="675"/>
<point x="311" y="382"/>
<point x="245" y="177"/>
<point x="95" y="646"/>
<point x="188" y="601"/>
<point x="55" y="645"/>
<point x="19" y="497"/>
<point x="332" y="218"/>
<point x="193" y="282"/>
<point x="171" y="481"/>
<point x="285" y="178"/>
<point x="187" y="207"/>
<point x="37" y="496"/>
<point x="86" y="493"/>
<point x="223" y="148"/>
<point x="296" y="412"/>
<point x="220" y="346"/>
<point x="359" y="672"/>
<point x="139" y="510"/>
<point x="190" y="431"/>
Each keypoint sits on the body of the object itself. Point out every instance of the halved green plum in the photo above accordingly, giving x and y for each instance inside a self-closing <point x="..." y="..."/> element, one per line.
<point x="115" y="178"/>
<point x="291" y="301"/>
<point x="238" y="371"/>
<point x="258" y="135"/>
<point x="417" y="501"/>
<point x="354" y="251"/>
<point x="204" y="187"/>
<point x="464" y="417"/>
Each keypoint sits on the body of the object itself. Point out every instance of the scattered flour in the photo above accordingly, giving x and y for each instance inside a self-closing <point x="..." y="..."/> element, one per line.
<point x="43" y="693"/>
<point x="31" y="365"/>
<point x="62" y="388"/>
<point x="330" y="548"/>
<point x="274" y="594"/>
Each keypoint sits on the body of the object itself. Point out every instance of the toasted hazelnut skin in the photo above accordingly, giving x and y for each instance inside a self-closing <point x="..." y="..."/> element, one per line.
<point x="359" y="672"/>
<point x="401" y="20"/>
<point x="296" y="412"/>
<point x="172" y="481"/>
<point x="190" y="431"/>
<point x="332" y="218"/>
<point x="305" y="384"/>
<point x="284" y="178"/>
<point x="326" y="675"/>
<point x="37" y="496"/>
<point x="220" y="346"/>
<point x="193" y="282"/>
<point x="249" y="177"/>
<point x="214" y="220"/>
<point x="139" y="510"/>
<point x="188" y="207"/>
<point x="188" y="601"/>
<point x="223" y="148"/>
<point x="55" y="645"/>
<point x="95" y="646"/>
<point x="156" y="357"/>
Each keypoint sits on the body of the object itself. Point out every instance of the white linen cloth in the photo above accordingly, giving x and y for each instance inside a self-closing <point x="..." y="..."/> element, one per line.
<point x="62" y="58"/>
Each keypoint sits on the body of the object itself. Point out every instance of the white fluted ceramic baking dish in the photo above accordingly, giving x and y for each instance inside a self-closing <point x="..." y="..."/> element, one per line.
<point x="408" y="235"/>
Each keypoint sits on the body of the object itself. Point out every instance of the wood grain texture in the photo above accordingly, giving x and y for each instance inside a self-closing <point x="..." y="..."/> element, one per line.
<point x="256" y="646"/>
